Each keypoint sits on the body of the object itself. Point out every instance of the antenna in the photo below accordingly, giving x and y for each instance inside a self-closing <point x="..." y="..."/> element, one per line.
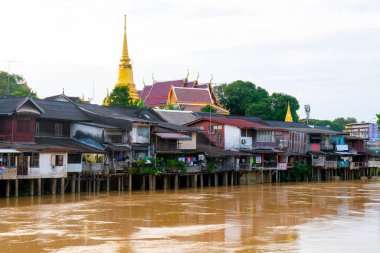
<point x="307" y="111"/>
<point x="9" y="69"/>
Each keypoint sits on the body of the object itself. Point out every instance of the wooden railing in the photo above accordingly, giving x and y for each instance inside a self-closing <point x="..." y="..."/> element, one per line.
<point x="167" y="146"/>
<point x="331" y="164"/>
<point x="92" y="167"/>
<point x="375" y="164"/>
<point x="282" y="166"/>
<point x="8" y="173"/>
<point x="319" y="162"/>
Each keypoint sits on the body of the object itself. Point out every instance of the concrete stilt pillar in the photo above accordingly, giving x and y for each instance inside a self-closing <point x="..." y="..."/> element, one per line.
<point x="187" y="181"/>
<point x="208" y="180"/>
<point x="62" y="191"/>
<point x="169" y="183"/>
<point x="176" y="182"/>
<point x="143" y="182"/>
<point x="78" y="184"/>
<point x="8" y="189"/>
<point x="165" y="182"/>
<point x="31" y="191"/>
<point x="195" y="181"/>
<point x="122" y="183"/>
<point x="72" y="183"/>
<point x="130" y="182"/>
<point x="201" y="180"/>
<point x="98" y="182"/>
<point x="118" y="183"/>
<point x="232" y="178"/>
<point x="39" y="186"/>
<point x="108" y="184"/>
<point x="89" y="184"/>
<point x="215" y="179"/>
<point x="53" y="186"/>
<point x="94" y="184"/>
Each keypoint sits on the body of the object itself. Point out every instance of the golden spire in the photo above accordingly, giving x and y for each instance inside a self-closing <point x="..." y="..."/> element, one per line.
<point x="107" y="100"/>
<point x="288" y="117"/>
<point x="125" y="77"/>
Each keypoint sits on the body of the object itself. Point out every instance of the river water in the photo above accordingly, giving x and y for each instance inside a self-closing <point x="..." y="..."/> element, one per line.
<point x="303" y="217"/>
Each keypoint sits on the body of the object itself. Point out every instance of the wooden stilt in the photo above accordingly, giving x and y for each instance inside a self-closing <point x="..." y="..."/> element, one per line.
<point x="195" y="180"/>
<point x="122" y="183"/>
<point x="16" y="188"/>
<point x="165" y="182"/>
<point x="98" y="182"/>
<point x="62" y="191"/>
<point x="150" y="182"/>
<point x="53" y="186"/>
<point x="201" y="180"/>
<point x="143" y="182"/>
<point x="118" y="183"/>
<point x="8" y="189"/>
<point x="39" y="186"/>
<point x="232" y="178"/>
<point x="215" y="179"/>
<point x="176" y="181"/>
<point x="154" y="182"/>
<point x="187" y="181"/>
<point x="130" y="182"/>
<point x="208" y="180"/>
<point x="31" y="191"/>
<point x="72" y="183"/>
<point x="78" y="183"/>
<point x="108" y="184"/>
<point x="225" y="178"/>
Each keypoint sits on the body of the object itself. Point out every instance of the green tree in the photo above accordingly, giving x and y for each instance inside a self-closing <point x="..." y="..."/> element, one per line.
<point x="344" y="121"/>
<point x="120" y="97"/>
<point x="274" y="107"/>
<point x="324" y="123"/>
<point x="15" y="85"/>
<point x="208" y="108"/>
<point x="378" y="119"/>
<point x="239" y="95"/>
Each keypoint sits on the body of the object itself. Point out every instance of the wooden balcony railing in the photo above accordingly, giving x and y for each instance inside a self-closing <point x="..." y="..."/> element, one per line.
<point x="8" y="173"/>
<point x="374" y="164"/>
<point x="331" y="164"/>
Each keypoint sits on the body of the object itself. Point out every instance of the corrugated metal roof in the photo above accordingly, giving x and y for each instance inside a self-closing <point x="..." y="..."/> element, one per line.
<point x="176" y="117"/>
<point x="175" y="136"/>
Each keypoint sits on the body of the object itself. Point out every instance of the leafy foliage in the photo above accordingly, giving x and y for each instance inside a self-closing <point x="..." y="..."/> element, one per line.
<point x="158" y="166"/>
<point x="378" y="119"/>
<point x="17" y="86"/>
<point x="208" y="108"/>
<point x="172" y="107"/>
<point x="120" y="97"/>
<point x="336" y="124"/>
<point x="344" y="121"/>
<point x="239" y="95"/>
<point x="300" y="172"/>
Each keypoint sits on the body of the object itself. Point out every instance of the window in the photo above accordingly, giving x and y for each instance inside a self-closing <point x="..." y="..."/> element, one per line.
<point x="265" y="136"/>
<point x="74" y="158"/>
<point x="58" y="129"/>
<point x="34" y="161"/>
<point x="219" y="138"/>
<point x="57" y="160"/>
<point x="143" y="132"/>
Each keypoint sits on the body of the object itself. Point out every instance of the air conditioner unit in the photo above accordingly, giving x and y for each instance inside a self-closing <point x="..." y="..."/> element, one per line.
<point x="243" y="141"/>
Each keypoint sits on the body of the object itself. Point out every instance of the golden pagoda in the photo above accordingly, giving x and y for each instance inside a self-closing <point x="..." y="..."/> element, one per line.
<point x="288" y="117"/>
<point x="125" y="76"/>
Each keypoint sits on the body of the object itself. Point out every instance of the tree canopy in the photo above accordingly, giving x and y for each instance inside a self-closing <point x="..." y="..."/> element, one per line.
<point x="120" y="97"/>
<point x="15" y="85"/>
<point x="208" y="108"/>
<point x="378" y="119"/>
<point x="245" y="98"/>
<point x="239" y="95"/>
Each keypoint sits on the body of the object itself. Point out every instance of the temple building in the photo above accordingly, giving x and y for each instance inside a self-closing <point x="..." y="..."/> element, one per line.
<point x="188" y="95"/>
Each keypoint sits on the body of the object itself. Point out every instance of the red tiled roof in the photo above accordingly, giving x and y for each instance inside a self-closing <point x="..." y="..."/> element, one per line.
<point x="189" y="84"/>
<point x="191" y="95"/>
<point x="144" y="93"/>
<point x="238" y="123"/>
<point x="202" y="86"/>
<point x="158" y="94"/>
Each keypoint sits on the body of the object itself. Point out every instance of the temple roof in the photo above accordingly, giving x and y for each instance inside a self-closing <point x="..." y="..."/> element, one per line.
<point x="191" y="95"/>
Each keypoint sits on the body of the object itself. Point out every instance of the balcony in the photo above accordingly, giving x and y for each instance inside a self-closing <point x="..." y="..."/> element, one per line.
<point x="246" y="143"/>
<point x="331" y="165"/>
<point x="282" y="166"/>
<point x="167" y="146"/>
<point x="224" y="167"/>
<point x="343" y="164"/>
<point x="325" y="146"/>
<point x="320" y="162"/>
<point x="315" y="147"/>
<point x="357" y="165"/>
<point x="93" y="167"/>
<point x="374" y="164"/>
<point x="141" y="139"/>
<point x="8" y="173"/>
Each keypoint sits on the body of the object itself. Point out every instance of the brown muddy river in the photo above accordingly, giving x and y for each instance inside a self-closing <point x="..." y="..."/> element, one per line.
<point x="314" y="217"/>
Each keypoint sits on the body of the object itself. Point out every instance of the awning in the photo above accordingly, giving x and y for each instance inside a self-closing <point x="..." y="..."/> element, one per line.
<point x="343" y="153"/>
<point x="8" y="150"/>
<point x="118" y="147"/>
<point x="175" y="136"/>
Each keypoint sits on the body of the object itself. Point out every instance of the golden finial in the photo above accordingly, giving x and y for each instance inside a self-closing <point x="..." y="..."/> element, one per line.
<point x="212" y="77"/>
<point x="196" y="80"/>
<point x="153" y="78"/>
<point x="83" y="97"/>
<point x="144" y="82"/>
<point x="187" y="75"/>
<point x="107" y="100"/>
<point x="288" y="117"/>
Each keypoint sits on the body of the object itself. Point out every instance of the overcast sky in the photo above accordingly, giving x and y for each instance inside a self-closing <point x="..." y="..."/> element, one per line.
<point x="325" y="53"/>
